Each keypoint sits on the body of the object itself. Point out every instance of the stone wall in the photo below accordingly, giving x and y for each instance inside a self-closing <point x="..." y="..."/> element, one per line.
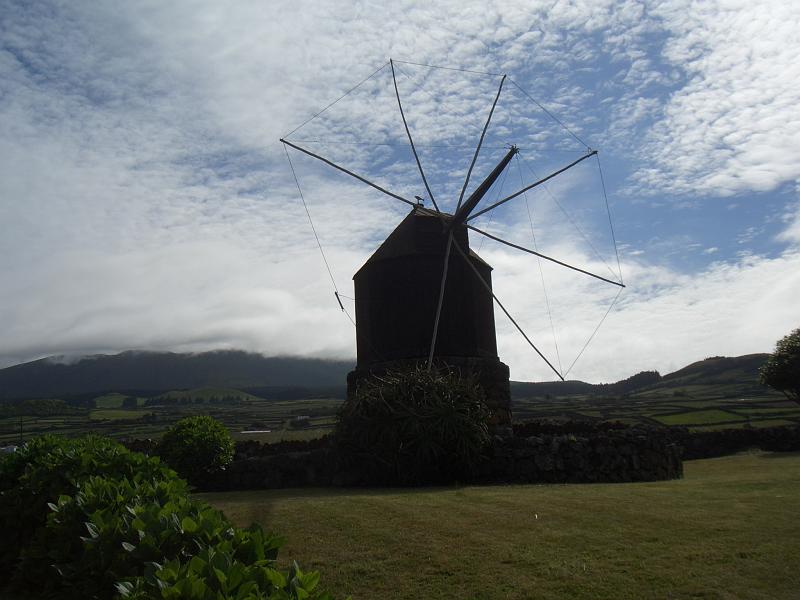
<point x="611" y="454"/>
<point x="539" y="452"/>
<point x="614" y="455"/>
<point x="709" y="444"/>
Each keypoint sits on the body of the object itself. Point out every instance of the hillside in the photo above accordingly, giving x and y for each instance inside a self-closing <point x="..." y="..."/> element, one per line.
<point x="717" y="370"/>
<point x="520" y="389"/>
<point x="738" y="371"/>
<point x="153" y="372"/>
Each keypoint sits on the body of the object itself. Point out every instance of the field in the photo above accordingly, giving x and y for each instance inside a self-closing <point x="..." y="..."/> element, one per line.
<point x="728" y="530"/>
<point x="699" y="407"/>
<point x="246" y="416"/>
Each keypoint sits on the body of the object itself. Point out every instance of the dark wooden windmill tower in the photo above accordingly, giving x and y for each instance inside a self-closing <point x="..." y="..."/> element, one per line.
<point x="408" y="313"/>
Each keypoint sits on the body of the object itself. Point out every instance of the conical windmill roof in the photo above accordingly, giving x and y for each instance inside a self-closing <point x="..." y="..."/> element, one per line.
<point x="419" y="233"/>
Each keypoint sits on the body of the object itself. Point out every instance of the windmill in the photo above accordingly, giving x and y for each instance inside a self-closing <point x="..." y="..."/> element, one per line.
<point x="425" y="296"/>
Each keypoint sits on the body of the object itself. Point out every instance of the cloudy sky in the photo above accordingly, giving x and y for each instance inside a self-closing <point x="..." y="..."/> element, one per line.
<point x="146" y="202"/>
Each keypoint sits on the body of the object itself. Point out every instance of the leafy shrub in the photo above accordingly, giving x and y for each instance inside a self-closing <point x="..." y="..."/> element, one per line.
<point x="414" y="427"/>
<point x="147" y="537"/>
<point x="48" y="467"/>
<point x="215" y="573"/>
<point x="81" y="546"/>
<point x="134" y="531"/>
<point x="197" y="447"/>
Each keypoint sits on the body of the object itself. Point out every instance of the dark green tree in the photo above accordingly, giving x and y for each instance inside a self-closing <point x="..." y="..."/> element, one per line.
<point x="782" y="369"/>
<point x="130" y="402"/>
<point x="197" y="447"/>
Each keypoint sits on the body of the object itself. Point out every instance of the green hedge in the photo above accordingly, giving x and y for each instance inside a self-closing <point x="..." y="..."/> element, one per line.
<point x="92" y="520"/>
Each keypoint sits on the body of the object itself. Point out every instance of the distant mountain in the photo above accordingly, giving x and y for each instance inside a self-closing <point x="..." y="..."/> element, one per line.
<point x="152" y="373"/>
<point x="156" y="372"/>
<point x="520" y="389"/>
<point x="717" y="370"/>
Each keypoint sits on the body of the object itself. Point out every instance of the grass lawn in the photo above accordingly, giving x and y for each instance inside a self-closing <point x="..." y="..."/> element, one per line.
<point x="729" y="530"/>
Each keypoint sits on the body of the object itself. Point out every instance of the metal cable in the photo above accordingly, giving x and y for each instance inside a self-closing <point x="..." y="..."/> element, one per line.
<point x="503" y="308"/>
<point x="406" y="62"/>
<point x="596" y="329"/>
<point x="313" y="229"/>
<point x="347" y="93"/>
<point x="571" y="220"/>
<point x="551" y="115"/>
<point x="411" y="140"/>
<point x="437" y="100"/>
<point x="541" y="271"/>
<point x="480" y="142"/>
<point x="417" y="144"/>
<point x="325" y="260"/>
<point x="608" y="210"/>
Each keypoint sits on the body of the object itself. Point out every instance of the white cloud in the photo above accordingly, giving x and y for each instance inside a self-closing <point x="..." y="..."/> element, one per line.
<point x="791" y="234"/>
<point x="665" y="320"/>
<point x="733" y="126"/>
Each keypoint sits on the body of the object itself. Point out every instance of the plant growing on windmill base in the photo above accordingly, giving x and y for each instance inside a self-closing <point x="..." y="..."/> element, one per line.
<point x="415" y="427"/>
<point x="782" y="369"/>
<point x="197" y="447"/>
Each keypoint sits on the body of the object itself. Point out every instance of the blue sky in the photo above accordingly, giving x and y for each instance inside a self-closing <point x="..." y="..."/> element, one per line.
<point x="146" y="203"/>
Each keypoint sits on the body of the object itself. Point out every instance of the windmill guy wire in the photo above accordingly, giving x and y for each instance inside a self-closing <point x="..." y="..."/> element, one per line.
<point x="533" y="185"/>
<point x="503" y="308"/>
<point x="480" y="142"/>
<point x="541" y="271"/>
<point x="575" y="225"/>
<point x="410" y="139"/>
<point x="596" y="329"/>
<point x="608" y="211"/>
<point x="347" y="93"/>
<point x="514" y="83"/>
<point x="322" y="252"/>
<point x="316" y="237"/>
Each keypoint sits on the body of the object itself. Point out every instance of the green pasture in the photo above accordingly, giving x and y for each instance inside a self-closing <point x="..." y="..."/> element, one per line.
<point x="728" y="530"/>
<point x="208" y="394"/>
<point x="695" y="406"/>
<point x="755" y="424"/>
<point x="103" y="414"/>
<point x="109" y="400"/>
<point x="699" y="417"/>
<point x="782" y="410"/>
<point x="245" y="413"/>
